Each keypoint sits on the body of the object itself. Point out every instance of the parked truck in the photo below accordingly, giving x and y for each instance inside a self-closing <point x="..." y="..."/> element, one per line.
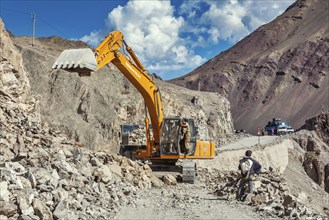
<point x="278" y="127"/>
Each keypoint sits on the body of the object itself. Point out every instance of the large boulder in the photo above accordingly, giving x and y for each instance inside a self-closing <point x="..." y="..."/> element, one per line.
<point x="169" y="179"/>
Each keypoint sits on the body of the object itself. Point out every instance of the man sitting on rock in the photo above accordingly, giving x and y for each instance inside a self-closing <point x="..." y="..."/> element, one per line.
<point x="248" y="167"/>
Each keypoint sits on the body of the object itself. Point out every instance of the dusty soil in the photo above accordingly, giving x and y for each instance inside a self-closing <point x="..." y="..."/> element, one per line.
<point x="185" y="201"/>
<point x="198" y="201"/>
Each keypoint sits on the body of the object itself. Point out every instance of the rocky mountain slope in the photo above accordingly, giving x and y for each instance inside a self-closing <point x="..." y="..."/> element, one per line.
<point x="91" y="109"/>
<point x="280" y="70"/>
<point x="44" y="174"/>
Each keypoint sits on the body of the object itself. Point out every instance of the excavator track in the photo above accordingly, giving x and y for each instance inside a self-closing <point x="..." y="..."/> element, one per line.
<point x="189" y="171"/>
<point x="186" y="168"/>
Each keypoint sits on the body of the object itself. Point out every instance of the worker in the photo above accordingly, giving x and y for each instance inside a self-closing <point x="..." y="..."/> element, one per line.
<point x="249" y="168"/>
<point x="185" y="137"/>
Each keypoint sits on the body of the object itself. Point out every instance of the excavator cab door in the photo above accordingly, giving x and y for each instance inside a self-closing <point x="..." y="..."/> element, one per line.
<point x="169" y="141"/>
<point x="170" y="138"/>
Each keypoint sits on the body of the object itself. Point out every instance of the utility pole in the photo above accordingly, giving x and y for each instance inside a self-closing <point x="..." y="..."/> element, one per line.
<point x="199" y="85"/>
<point x="33" y="28"/>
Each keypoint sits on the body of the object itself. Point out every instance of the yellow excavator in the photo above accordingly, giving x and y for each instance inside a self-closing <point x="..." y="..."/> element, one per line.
<point x="163" y="147"/>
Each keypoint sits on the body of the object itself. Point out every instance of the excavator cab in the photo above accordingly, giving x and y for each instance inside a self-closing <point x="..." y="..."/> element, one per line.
<point x="170" y="137"/>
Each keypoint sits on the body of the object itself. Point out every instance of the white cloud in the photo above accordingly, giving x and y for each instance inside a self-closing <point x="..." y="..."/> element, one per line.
<point x="231" y="20"/>
<point x="153" y="32"/>
<point x="261" y="12"/>
<point x="164" y="41"/>
<point x="93" y="38"/>
<point x="226" y="21"/>
<point x="149" y="27"/>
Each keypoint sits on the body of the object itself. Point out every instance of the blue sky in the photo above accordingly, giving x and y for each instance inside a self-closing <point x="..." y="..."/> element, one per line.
<point x="170" y="37"/>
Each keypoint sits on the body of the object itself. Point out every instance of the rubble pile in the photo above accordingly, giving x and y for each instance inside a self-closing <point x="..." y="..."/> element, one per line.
<point x="138" y="136"/>
<point x="271" y="194"/>
<point x="43" y="175"/>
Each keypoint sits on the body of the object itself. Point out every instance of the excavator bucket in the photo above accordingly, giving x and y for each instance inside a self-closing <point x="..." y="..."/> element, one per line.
<point x="82" y="61"/>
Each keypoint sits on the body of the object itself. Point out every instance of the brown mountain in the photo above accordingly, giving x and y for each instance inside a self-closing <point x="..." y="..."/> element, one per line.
<point x="279" y="70"/>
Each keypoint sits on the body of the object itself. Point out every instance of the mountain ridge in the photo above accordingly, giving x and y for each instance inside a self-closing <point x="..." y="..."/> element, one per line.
<point x="278" y="61"/>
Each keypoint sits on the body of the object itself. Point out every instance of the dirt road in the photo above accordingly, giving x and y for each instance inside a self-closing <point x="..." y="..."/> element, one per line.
<point x="185" y="201"/>
<point x="248" y="142"/>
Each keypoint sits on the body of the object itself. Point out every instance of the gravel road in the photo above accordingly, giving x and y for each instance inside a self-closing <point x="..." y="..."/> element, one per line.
<point x="248" y="142"/>
<point x="185" y="201"/>
<point x="193" y="201"/>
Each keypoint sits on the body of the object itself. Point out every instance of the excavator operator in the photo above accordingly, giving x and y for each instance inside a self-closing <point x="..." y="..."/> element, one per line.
<point x="185" y="137"/>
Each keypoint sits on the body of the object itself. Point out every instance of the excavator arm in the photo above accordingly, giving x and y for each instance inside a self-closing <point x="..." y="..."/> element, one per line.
<point x="110" y="50"/>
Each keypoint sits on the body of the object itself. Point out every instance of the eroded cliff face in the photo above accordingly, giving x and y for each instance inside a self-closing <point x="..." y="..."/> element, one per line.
<point x="280" y="70"/>
<point x="91" y="109"/>
<point x="314" y="140"/>
<point x="14" y="76"/>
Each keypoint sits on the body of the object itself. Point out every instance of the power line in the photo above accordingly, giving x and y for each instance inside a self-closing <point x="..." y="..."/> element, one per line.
<point x="34" y="18"/>
<point x="15" y="11"/>
<point x="52" y="27"/>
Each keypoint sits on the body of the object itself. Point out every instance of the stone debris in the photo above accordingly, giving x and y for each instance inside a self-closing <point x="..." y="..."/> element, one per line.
<point x="44" y="175"/>
<point x="271" y="194"/>
<point x="138" y="136"/>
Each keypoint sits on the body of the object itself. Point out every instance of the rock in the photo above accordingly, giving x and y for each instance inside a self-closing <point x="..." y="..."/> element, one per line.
<point x="67" y="167"/>
<point x="116" y="169"/>
<point x="265" y="208"/>
<point x="60" y="194"/>
<point x="95" y="162"/>
<point x="169" y="179"/>
<point x="61" y="210"/>
<point x="41" y="210"/>
<point x="156" y="182"/>
<point x="287" y="200"/>
<point x="24" y="208"/>
<point x="25" y="182"/>
<point x="129" y="177"/>
<point x="103" y="173"/>
<point x="23" y="217"/>
<point x="302" y="198"/>
<point x="7" y="208"/>
<point x="31" y="178"/>
<point x="259" y="199"/>
<point x="2" y="217"/>
<point x="15" y="166"/>
<point x="257" y="184"/>
<point x="4" y="193"/>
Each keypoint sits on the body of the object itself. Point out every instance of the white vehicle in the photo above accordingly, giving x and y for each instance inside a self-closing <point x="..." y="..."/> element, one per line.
<point x="290" y="130"/>
<point x="281" y="130"/>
